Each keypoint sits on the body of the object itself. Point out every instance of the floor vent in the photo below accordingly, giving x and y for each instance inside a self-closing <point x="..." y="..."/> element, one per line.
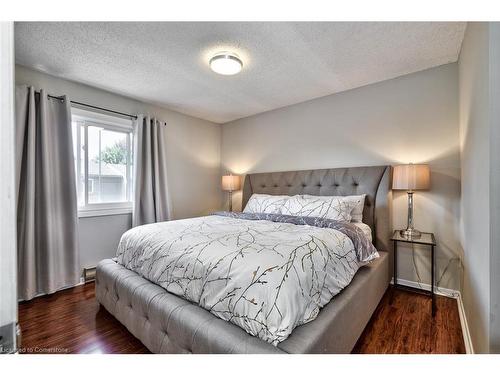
<point x="88" y="274"/>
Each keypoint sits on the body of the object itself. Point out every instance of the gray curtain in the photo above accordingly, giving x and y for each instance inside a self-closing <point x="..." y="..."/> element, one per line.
<point x="46" y="202"/>
<point x="151" y="202"/>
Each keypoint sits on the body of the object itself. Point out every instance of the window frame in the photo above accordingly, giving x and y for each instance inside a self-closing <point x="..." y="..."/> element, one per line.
<point x="85" y="118"/>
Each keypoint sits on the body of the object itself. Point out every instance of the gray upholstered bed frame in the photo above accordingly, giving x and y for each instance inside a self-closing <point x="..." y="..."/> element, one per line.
<point x="166" y="323"/>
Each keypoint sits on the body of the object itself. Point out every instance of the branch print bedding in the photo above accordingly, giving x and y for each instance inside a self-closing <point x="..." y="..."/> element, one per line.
<point x="266" y="273"/>
<point x="334" y="208"/>
<point x="265" y="203"/>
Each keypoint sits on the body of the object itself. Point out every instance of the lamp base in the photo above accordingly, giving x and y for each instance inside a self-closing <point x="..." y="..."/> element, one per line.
<point x="410" y="233"/>
<point x="230" y="201"/>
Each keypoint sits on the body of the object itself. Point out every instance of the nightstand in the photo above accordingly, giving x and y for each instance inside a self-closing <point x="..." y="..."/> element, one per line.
<point x="425" y="239"/>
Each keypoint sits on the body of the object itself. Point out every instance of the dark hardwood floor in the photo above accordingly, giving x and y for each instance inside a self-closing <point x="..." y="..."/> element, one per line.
<point x="406" y="326"/>
<point x="69" y="321"/>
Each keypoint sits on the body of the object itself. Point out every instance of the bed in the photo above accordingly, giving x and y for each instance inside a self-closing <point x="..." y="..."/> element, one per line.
<point x="167" y="323"/>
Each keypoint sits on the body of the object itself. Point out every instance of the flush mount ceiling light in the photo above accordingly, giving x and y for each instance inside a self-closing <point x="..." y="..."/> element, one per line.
<point x="226" y="63"/>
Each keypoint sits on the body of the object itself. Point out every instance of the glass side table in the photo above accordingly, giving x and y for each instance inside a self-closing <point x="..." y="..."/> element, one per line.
<point x="424" y="239"/>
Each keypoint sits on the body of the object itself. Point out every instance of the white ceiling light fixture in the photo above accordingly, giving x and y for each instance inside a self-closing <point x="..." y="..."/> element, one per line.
<point x="226" y="63"/>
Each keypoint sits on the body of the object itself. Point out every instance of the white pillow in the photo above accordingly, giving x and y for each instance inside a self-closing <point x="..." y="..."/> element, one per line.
<point x="334" y="208"/>
<point x="265" y="203"/>
<point x="357" y="211"/>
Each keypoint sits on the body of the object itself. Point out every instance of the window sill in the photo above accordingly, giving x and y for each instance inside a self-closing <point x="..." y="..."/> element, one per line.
<point x="105" y="212"/>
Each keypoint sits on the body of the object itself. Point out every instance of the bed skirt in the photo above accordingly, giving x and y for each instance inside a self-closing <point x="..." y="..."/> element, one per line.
<point x="166" y="323"/>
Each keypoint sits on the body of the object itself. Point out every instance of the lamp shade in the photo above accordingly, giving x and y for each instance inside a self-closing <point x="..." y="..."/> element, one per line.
<point x="230" y="183"/>
<point x="411" y="177"/>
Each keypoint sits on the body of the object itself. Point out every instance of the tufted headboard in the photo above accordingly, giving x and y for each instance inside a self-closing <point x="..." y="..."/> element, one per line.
<point x="375" y="182"/>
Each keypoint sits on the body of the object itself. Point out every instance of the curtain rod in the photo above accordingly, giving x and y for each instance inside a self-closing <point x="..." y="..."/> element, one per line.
<point x="95" y="107"/>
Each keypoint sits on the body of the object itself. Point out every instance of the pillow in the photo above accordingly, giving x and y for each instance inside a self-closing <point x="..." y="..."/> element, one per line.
<point x="357" y="211"/>
<point x="366" y="230"/>
<point x="334" y="208"/>
<point x="359" y="205"/>
<point x="265" y="203"/>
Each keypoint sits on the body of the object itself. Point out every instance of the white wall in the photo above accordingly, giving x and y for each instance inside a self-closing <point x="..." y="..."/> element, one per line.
<point x="99" y="237"/>
<point x="474" y="135"/>
<point x="413" y="118"/>
<point x="479" y="76"/>
<point x="8" y="274"/>
<point x="193" y="152"/>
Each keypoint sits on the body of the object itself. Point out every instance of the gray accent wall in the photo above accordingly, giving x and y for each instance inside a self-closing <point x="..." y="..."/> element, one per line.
<point x="479" y="67"/>
<point x="193" y="161"/>
<point x="413" y="118"/>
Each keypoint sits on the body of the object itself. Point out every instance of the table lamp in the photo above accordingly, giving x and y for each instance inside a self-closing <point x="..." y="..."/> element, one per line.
<point x="231" y="183"/>
<point x="411" y="177"/>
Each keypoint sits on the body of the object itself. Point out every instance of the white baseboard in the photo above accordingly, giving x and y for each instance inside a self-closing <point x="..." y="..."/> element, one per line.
<point x="439" y="290"/>
<point x="469" y="349"/>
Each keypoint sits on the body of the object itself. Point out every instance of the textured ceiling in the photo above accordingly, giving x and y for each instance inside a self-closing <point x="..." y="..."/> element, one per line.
<point x="166" y="63"/>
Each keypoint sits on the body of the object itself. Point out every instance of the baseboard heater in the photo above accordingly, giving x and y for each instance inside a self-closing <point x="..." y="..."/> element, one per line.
<point x="88" y="274"/>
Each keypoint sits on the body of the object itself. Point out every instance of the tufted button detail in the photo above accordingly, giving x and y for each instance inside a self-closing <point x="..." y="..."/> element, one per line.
<point x="289" y="185"/>
<point x="275" y="185"/>
<point x="355" y="184"/>
<point x="318" y="185"/>
<point x="262" y="186"/>
<point x="304" y="185"/>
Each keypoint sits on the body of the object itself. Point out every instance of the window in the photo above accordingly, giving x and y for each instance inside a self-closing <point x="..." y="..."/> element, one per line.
<point x="102" y="146"/>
